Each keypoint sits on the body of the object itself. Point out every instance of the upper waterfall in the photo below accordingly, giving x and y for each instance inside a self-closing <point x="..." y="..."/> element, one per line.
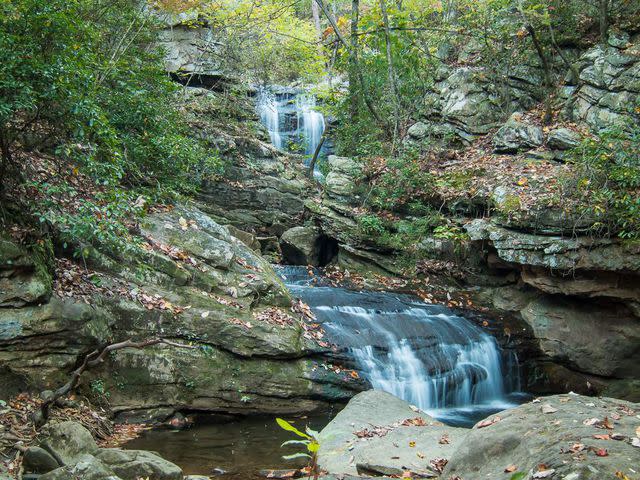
<point x="292" y="119"/>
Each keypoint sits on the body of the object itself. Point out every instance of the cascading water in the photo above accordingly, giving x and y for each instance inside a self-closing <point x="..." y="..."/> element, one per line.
<point x="425" y="354"/>
<point x="269" y="111"/>
<point x="292" y="119"/>
<point x="310" y="122"/>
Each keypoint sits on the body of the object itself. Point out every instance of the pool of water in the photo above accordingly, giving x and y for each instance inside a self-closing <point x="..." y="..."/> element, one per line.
<point x="239" y="448"/>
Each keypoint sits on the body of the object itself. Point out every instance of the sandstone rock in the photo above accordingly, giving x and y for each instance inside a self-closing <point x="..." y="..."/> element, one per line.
<point x="558" y="252"/>
<point x="342" y="452"/>
<point x="563" y="441"/>
<point x="38" y="460"/>
<point x="301" y="246"/>
<point x="69" y="440"/>
<point x="418" y="130"/>
<point x="342" y="177"/>
<point x="85" y="467"/>
<point x="597" y="340"/>
<point x="563" y="139"/>
<point x="134" y="464"/>
<point x="517" y="135"/>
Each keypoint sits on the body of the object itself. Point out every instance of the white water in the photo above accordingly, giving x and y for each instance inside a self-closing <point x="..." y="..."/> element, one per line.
<point x="425" y="354"/>
<point x="288" y="120"/>
<point x="269" y="111"/>
<point x="310" y="122"/>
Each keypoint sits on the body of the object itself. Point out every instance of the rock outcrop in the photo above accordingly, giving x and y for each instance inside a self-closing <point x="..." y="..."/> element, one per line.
<point x="379" y="434"/>
<point x="71" y="452"/>
<point x="562" y="436"/>
<point x="195" y="284"/>
<point x="608" y="85"/>
<point x="263" y="189"/>
<point x="583" y="297"/>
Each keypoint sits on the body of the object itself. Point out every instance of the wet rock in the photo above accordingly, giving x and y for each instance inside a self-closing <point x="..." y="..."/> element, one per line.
<point x="38" y="460"/>
<point x="563" y="139"/>
<point x="389" y="451"/>
<point x="517" y="135"/>
<point x="563" y="441"/>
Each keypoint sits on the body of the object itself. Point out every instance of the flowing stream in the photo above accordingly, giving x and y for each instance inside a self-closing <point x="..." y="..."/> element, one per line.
<point x="425" y="354"/>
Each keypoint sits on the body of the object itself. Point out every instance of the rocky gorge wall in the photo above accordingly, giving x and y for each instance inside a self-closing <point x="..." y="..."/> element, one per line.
<point x="574" y="292"/>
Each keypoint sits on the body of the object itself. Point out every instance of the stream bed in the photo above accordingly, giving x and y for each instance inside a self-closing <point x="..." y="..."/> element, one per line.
<point x="426" y="354"/>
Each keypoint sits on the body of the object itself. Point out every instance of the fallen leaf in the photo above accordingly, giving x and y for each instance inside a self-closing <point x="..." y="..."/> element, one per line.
<point x="205" y="314"/>
<point x="636" y="442"/>
<point x="602" y="437"/>
<point x="488" y="422"/>
<point x="412" y="444"/>
<point x="510" y="468"/>
<point x="638" y="432"/>
<point x="546" y="408"/>
<point x="602" y="452"/>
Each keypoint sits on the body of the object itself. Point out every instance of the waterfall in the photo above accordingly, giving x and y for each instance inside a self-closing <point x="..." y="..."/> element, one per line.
<point x="269" y="111"/>
<point x="291" y="118"/>
<point x="310" y="122"/>
<point x="425" y="354"/>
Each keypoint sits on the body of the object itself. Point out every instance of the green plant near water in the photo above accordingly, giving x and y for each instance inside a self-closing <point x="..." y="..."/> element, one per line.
<point x="309" y="440"/>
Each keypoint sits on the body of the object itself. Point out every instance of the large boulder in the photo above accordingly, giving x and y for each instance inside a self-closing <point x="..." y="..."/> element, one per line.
<point x="85" y="467"/>
<point x="563" y="139"/>
<point x="567" y="437"/>
<point x="517" y="135"/>
<point x="135" y="464"/>
<point x="603" y="341"/>
<point x="301" y="246"/>
<point x="380" y="434"/>
<point x="69" y="440"/>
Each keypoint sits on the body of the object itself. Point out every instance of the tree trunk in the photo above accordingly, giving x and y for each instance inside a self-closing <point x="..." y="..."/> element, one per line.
<point x="315" y="12"/>
<point x="391" y="72"/>
<point x="353" y="56"/>
<point x="353" y="59"/>
<point x="604" y="20"/>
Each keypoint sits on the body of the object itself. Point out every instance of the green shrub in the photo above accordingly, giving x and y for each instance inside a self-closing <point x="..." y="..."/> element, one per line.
<point x="607" y="181"/>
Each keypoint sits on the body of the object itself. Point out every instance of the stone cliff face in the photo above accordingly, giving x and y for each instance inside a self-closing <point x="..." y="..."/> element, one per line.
<point x="576" y="293"/>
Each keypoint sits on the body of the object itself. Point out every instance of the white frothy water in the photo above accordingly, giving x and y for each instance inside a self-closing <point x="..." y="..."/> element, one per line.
<point x="310" y="122"/>
<point x="269" y="111"/>
<point x="424" y="354"/>
<point x="297" y="120"/>
<point x="432" y="360"/>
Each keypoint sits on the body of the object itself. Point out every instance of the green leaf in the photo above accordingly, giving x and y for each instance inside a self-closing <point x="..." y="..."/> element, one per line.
<point x="290" y="428"/>
<point x="313" y="446"/>
<point x="296" y="455"/>
<point x="518" y="475"/>
<point x="295" y="442"/>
